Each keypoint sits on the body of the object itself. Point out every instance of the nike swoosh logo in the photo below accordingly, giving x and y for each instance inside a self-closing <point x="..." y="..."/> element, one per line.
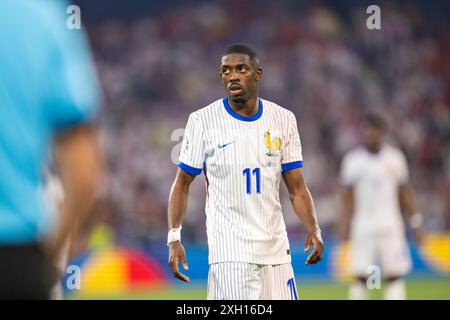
<point x="220" y="146"/>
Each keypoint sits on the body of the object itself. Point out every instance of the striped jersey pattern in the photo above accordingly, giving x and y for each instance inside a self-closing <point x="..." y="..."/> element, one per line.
<point x="242" y="159"/>
<point x="246" y="281"/>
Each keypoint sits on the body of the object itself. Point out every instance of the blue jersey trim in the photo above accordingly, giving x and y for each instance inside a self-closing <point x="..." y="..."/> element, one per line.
<point x="189" y="169"/>
<point x="238" y="116"/>
<point x="291" y="165"/>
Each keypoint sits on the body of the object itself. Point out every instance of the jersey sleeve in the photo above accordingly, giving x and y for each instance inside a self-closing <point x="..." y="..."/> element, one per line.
<point x="72" y="96"/>
<point x="192" y="154"/>
<point x="348" y="173"/>
<point x="403" y="172"/>
<point x="292" y="151"/>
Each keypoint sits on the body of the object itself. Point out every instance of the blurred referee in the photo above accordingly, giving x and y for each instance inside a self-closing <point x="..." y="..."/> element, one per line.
<point x="48" y="103"/>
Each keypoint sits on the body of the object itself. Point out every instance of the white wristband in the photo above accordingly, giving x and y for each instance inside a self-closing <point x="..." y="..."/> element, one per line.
<point x="174" y="235"/>
<point x="416" y="220"/>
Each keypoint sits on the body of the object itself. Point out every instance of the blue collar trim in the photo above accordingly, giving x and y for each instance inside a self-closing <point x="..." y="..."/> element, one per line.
<point x="238" y="116"/>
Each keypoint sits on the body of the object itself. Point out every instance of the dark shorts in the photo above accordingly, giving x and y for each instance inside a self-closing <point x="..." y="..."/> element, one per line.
<point x="25" y="272"/>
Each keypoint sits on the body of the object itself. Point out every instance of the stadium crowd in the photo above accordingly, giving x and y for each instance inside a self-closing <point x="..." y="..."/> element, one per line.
<point x="328" y="69"/>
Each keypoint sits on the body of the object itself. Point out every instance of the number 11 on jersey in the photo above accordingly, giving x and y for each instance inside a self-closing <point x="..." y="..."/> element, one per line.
<point x="255" y="172"/>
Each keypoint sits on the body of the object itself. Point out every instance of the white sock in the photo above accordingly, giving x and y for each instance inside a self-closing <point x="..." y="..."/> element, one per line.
<point x="358" y="291"/>
<point x="395" y="290"/>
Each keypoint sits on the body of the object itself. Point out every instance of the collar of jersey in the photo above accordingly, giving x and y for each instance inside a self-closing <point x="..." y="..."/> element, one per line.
<point x="380" y="152"/>
<point x="238" y="116"/>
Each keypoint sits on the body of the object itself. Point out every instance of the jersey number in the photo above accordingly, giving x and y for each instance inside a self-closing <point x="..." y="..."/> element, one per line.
<point x="255" y="172"/>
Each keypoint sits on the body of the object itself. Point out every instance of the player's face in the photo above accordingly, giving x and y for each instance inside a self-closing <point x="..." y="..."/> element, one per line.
<point x="239" y="76"/>
<point x="372" y="137"/>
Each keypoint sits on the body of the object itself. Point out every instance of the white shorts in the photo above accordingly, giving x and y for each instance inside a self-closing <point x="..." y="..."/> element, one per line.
<point x="388" y="251"/>
<point x="246" y="281"/>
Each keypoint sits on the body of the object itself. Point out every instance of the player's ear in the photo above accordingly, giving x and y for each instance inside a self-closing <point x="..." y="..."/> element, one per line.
<point x="258" y="73"/>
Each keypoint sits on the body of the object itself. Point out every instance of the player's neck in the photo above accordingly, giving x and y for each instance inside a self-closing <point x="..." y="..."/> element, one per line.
<point x="374" y="149"/>
<point x="247" y="108"/>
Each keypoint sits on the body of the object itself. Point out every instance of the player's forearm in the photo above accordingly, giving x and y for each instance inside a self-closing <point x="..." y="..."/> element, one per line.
<point x="177" y="205"/>
<point x="346" y="211"/>
<point x="407" y="200"/>
<point x="414" y="217"/>
<point x="303" y="205"/>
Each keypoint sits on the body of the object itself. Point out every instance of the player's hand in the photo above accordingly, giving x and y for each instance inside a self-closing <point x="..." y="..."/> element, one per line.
<point x="314" y="239"/>
<point x="345" y="233"/>
<point x="54" y="251"/>
<point x="419" y="236"/>
<point x="177" y="253"/>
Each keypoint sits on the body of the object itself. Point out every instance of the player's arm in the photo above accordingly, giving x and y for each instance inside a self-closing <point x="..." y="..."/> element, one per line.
<point x="177" y="205"/>
<point x="79" y="164"/>
<point x="303" y="205"/>
<point x="347" y="206"/>
<point x="409" y="206"/>
<point x="407" y="200"/>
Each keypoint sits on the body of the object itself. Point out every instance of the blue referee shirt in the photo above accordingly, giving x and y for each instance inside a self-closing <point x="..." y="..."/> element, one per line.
<point x="47" y="83"/>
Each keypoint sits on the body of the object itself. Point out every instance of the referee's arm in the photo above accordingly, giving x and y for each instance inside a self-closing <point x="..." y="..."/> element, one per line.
<point x="80" y="167"/>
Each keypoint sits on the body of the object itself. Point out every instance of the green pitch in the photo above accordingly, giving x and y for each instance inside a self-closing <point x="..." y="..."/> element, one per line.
<point x="417" y="288"/>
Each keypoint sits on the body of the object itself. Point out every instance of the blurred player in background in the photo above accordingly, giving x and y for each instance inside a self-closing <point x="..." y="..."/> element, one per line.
<point x="48" y="102"/>
<point x="244" y="145"/>
<point x="376" y="186"/>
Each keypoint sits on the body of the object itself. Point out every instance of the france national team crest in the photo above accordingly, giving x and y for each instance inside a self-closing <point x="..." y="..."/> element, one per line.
<point x="273" y="145"/>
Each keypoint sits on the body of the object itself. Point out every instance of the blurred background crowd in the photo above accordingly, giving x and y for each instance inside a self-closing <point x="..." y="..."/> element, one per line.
<point x="161" y="63"/>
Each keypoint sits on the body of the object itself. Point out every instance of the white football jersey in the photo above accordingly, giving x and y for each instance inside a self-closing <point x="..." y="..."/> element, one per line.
<point x="242" y="159"/>
<point x="375" y="179"/>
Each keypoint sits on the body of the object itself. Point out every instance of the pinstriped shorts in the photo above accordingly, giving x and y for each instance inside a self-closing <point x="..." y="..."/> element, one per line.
<point x="246" y="281"/>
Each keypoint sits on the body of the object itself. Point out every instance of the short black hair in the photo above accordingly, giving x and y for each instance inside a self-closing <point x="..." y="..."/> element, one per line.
<point x="243" y="49"/>
<point x="375" y="121"/>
